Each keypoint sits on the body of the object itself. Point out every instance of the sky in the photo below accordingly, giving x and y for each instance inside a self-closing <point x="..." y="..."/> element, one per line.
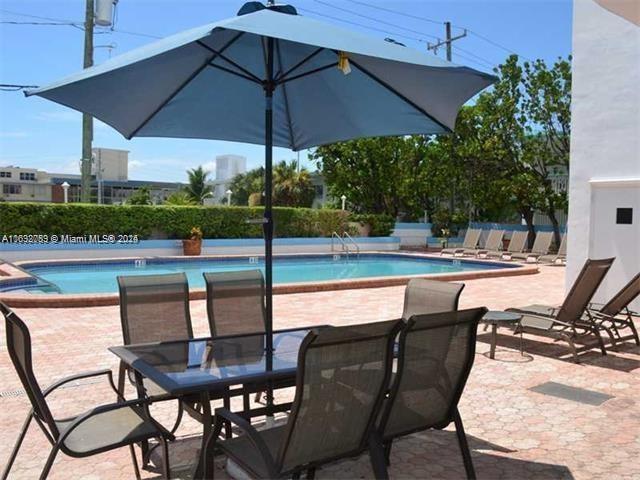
<point x="36" y="133"/>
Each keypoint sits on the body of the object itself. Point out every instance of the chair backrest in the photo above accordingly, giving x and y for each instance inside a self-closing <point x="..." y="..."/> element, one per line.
<point x="583" y="289"/>
<point x="235" y="302"/>
<point x="343" y="374"/>
<point x="471" y="238"/>
<point x="494" y="240"/>
<point x="542" y="243"/>
<point x="435" y="356"/>
<point x="562" y="249"/>
<point x="518" y="241"/>
<point x="19" y="347"/>
<point x="430" y="296"/>
<point x="623" y="298"/>
<point x="154" y="308"/>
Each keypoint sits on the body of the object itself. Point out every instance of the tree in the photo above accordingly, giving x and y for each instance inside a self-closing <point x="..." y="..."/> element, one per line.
<point x="142" y="196"/>
<point x="197" y="189"/>
<point x="179" y="198"/>
<point x="245" y="184"/>
<point x="292" y="187"/>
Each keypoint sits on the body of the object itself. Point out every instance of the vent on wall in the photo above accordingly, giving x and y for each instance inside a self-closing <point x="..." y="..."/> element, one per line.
<point x="624" y="216"/>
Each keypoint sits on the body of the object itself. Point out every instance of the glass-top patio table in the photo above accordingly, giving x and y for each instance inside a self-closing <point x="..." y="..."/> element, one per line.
<point x="204" y="368"/>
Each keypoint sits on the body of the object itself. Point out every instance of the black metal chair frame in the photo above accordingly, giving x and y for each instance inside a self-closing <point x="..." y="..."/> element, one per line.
<point x="453" y="414"/>
<point x="41" y="413"/>
<point x="369" y="440"/>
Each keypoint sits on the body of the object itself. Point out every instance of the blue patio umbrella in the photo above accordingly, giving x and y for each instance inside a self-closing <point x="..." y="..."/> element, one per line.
<point x="270" y="76"/>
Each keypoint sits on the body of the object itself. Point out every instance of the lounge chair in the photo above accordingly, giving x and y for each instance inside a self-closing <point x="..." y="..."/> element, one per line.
<point x="560" y="256"/>
<point x="424" y="296"/>
<point x="572" y="321"/>
<point x="616" y="314"/>
<point x="98" y="430"/>
<point x="540" y="247"/>
<point x="343" y="376"/>
<point x="471" y="239"/>
<point x="153" y="308"/>
<point x="435" y="356"/>
<point x="517" y="244"/>
<point x="493" y="243"/>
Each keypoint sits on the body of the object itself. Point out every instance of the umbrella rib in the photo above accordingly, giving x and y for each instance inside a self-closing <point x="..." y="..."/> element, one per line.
<point x="233" y="72"/>
<point x="310" y="72"/>
<point x="286" y="100"/>
<point x="398" y="94"/>
<point x="300" y="63"/>
<point x="228" y="60"/>
<point x="181" y="87"/>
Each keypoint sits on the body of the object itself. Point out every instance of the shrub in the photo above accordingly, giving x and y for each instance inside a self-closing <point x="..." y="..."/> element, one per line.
<point x="380" y="225"/>
<point x="175" y="221"/>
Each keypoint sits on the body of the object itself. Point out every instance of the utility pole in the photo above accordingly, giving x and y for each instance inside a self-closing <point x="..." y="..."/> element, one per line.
<point x="87" y="120"/>
<point x="447" y="42"/>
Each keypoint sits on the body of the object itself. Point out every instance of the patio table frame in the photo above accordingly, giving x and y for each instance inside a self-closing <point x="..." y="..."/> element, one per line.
<point x="216" y="388"/>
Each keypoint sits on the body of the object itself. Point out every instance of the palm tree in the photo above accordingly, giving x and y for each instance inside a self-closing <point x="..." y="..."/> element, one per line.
<point x="198" y="190"/>
<point x="292" y="187"/>
<point x="179" y="199"/>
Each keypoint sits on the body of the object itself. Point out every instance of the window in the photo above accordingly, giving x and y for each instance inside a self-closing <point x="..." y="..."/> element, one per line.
<point x="11" y="189"/>
<point x="624" y="216"/>
<point x="27" y="176"/>
<point x="5" y="174"/>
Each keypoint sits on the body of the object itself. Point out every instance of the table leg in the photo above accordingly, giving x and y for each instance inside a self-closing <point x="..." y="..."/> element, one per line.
<point x="144" y="445"/>
<point x="494" y="339"/>
<point x="205" y="462"/>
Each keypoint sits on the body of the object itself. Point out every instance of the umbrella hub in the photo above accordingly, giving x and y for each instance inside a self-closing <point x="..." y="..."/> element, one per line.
<point x="251" y="7"/>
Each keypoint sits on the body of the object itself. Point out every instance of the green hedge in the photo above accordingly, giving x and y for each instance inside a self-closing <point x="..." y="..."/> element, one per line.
<point x="174" y="221"/>
<point x="381" y="225"/>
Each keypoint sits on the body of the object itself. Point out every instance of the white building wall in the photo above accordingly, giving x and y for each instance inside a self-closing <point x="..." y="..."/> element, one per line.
<point x="605" y="144"/>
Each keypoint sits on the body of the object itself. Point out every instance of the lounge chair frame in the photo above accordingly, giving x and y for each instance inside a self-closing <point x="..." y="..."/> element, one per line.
<point x="43" y="417"/>
<point x="470" y="242"/>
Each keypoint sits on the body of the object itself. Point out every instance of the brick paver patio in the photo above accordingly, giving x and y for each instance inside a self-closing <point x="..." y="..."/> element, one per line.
<point x="514" y="433"/>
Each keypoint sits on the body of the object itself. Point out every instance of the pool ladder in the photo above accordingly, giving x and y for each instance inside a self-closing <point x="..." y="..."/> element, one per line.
<point x="346" y="242"/>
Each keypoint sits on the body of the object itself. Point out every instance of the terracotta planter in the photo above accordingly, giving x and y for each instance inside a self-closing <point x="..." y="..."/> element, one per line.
<point x="192" y="247"/>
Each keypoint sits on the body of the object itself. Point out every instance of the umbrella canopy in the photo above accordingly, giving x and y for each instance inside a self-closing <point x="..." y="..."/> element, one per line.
<point x="208" y="83"/>
<point x="272" y="77"/>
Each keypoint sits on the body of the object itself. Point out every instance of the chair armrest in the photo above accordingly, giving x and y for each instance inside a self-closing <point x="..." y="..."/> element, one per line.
<point x="253" y="435"/>
<point x="80" y="376"/>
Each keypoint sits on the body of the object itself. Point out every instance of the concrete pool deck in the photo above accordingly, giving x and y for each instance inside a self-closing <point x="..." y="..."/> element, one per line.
<point x="29" y="300"/>
<point x="514" y="432"/>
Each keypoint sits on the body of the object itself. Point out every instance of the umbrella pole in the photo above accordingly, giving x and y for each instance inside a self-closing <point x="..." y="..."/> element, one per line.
<point x="269" y="87"/>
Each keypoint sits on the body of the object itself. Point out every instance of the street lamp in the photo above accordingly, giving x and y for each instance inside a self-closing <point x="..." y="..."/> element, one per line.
<point x="65" y="187"/>
<point x="228" y="192"/>
<point x="344" y="201"/>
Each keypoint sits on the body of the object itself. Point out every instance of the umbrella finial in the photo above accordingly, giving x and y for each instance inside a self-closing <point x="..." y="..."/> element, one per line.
<point x="251" y="7"/>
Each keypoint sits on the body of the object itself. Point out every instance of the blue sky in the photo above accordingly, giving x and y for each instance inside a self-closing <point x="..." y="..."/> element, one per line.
<point x="41" y="134"/>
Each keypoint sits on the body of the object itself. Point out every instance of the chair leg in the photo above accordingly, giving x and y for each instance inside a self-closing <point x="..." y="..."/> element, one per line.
<point x="387" y="452"/>
<point x="166" y="466"/>
<point x="49" y="464"/>
<point x="378" y="460"/>
<point x="17" y="446"/>
<point x="178" y="419"/>
<point x="136" y="469"/>
<point x="464" y="446"/>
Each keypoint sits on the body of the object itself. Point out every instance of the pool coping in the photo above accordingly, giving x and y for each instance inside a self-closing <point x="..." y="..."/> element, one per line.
<point x="21" y="300"/>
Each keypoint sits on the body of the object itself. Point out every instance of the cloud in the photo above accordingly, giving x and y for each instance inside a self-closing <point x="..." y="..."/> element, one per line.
<point x="136" y="164"/>
<point x="210" y="166"/>
<point x="13" y="134"/>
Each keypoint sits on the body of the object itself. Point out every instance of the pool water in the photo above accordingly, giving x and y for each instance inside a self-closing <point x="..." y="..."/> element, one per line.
<point x="100" y="277"/>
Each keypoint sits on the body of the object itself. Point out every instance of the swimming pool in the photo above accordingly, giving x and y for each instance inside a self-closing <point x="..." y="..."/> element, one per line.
<point x="99" y="277"/>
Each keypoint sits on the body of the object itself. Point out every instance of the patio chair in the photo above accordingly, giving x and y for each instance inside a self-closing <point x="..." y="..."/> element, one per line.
<point x="493" y="243"/>
<point x="517" y="244"/>
<point x="103" y="428"/>
<point x="435" y="356"/>
<point x="430" y="296"/>
<point x="471" y="239"/>
<point x="153" y="308"/>
<point x="572" y="321"/>
<point x="560" y="256"/>
<point x="343" y="374"/>
<point x="541" y="246"/>
<point x="616" y="314"/>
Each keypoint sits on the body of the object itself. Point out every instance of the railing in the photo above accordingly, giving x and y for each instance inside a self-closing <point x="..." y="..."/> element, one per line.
<point x="343" y="242"/>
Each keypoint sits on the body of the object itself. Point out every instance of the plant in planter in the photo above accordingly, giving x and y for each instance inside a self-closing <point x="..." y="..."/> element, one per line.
<point x="444" y="239"/>
<point x="192" y="245"/>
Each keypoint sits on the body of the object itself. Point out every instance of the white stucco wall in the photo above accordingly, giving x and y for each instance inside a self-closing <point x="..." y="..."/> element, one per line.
<point x="605" y="144"/>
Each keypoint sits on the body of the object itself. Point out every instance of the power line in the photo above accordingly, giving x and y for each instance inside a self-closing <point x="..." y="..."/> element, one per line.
<point x="20" y="14"/>
<point x="388" y="32"/>
<point x="403" y="14"/>
<point x="37" y="23"/>
<point x="346" y="10"/>
<point x="478" y="57"/>
<point x="495" y="44"/>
